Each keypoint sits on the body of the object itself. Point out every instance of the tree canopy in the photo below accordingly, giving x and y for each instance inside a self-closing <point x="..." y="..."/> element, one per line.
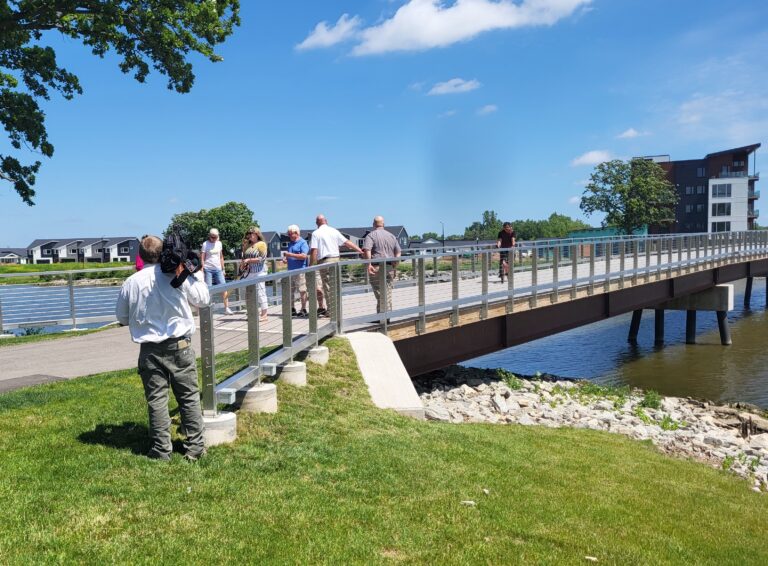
<point x="556" y="226"/>
<point x="632" y="194"/>
<point x="145" y="34"/>
<point x="231" y="219"/>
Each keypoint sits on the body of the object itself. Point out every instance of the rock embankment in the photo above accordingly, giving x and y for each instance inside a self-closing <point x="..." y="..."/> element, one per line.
<point x="733" y="437"/>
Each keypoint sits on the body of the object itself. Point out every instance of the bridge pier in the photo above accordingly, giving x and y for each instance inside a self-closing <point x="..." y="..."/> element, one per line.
<point x="748" y="292"/>
<point x="690" y="327"/>
<point x="634" y="326"/>
<point x="722" y="326"/>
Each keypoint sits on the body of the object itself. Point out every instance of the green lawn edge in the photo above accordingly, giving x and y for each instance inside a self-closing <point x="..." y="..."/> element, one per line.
<point x="330" y="479"/>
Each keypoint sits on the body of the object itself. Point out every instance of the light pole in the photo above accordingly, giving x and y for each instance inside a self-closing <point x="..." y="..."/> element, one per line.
<point x="443" y="227"/>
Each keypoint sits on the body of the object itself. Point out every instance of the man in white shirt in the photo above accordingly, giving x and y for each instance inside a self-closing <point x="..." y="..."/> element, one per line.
<point x="160" y="320"/>
<point x="212" y="257"/>
<point x="324" y="248"/>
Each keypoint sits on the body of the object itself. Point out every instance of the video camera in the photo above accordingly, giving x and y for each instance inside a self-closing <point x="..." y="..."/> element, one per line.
<point x="176" y="252"/>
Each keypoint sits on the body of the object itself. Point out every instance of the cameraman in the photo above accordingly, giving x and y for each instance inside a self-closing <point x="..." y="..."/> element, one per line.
<point x="160" y="320"/>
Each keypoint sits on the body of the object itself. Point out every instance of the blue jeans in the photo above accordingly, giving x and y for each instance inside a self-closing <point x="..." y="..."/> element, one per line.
<point x="213" y="277"/>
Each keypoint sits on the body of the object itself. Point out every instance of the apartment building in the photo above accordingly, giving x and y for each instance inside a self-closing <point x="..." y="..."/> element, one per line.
<point x="717" y="193"/>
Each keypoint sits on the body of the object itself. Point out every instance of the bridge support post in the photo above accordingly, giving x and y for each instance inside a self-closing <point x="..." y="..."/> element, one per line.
<point x="659" y="327"/>
<point x="748" y="292"/>
<point x="421" y="325"/>
<point x="634" y="326"/>
<point x="690" y="327"/>
<point x="722" y="326"/>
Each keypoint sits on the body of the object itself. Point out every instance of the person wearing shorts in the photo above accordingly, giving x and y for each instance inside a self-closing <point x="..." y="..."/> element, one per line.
<point x="296" y="256"/>
<point x="505" y="242"/>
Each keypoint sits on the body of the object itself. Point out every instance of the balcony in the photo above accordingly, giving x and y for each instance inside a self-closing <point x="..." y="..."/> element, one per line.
<point x="753" y="194"/>
<point x="753" y="214"/>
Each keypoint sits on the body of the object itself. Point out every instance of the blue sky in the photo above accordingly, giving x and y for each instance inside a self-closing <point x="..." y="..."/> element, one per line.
<point x="421" y="110"/>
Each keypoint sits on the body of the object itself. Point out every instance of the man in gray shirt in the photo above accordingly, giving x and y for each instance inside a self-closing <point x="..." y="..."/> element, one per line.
<point x="381" y="244"/>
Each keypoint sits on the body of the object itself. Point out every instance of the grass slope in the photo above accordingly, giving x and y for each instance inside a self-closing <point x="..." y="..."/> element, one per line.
<point x="330" y="479"/>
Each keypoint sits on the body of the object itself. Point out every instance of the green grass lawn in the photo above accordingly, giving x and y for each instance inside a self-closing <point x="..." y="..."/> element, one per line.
<point x="330" y="479"/>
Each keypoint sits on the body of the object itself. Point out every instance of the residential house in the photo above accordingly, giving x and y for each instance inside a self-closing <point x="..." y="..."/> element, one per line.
<point x="100" y="250"/>
<point x="13" y="255"/>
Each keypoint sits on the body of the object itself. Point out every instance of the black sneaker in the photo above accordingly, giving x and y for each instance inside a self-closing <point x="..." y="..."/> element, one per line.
<point x="294" y="312"/>
<point x="195" y="456"/>
<point x="303" y="313"/>
<point x="322" y="312"/>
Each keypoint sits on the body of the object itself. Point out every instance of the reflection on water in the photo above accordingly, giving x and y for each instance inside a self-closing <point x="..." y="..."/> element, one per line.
<point x="706" y="369"/>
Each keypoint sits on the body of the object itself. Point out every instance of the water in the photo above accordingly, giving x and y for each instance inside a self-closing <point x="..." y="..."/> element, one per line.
<point x="707" y="370"/>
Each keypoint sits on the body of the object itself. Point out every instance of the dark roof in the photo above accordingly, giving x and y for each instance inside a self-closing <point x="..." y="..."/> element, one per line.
<point x="5" y="252"/>
<point x="361" y="232"/>
<point x="269" y="235"/>
<point x="84" y="241"/>
<point x="744" y="149"/>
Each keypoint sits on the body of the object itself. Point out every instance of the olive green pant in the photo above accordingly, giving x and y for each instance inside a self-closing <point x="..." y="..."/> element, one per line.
<point x="171" y="364"/>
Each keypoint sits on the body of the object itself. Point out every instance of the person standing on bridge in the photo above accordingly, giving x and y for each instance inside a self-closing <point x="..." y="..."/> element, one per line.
<point x="505" y="241"/>
<point x="212" y="256"/>
<point x="324" y="248"/>
<point x="160" y="320"/>
<point x="381" y="244"/>
<point x="296" y="257"/>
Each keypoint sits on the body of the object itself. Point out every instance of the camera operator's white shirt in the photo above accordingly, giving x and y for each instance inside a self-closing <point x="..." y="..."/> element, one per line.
<point x="153" y="310"/>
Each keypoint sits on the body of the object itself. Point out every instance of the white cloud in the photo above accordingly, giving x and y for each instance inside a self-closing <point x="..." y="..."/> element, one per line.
<point x="453" y="86"/>
<point x="324" y="36"/>
<point x="487" y="109"/>
<point x="594" y="157"/>
<point x="732" y="116"/>
<point x="630" y="133"/>
<point x="426" y="24"/>
<point x="326" y="197"/>
<point x="447" y="114"/>
<point x="416" y="87"/>
<point x="574" y="200"/>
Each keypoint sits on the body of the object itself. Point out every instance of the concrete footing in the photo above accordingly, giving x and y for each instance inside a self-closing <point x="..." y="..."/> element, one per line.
<point x="293" y="373"/>
<point x="318" y="355"/>
<point x="221" y="429"/>
<point x="260" y="398"/>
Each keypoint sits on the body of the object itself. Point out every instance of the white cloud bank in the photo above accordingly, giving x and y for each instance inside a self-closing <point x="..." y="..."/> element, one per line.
<point x="594" y="157"/>
<point x="574" y="200"/>
<point x="325" y="36"/>
<point x="419" y="25"/>
<point x="453" y="86"/>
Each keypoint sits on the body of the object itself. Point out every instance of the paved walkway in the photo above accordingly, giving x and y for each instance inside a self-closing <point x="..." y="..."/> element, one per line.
<point x="65" y="358"/>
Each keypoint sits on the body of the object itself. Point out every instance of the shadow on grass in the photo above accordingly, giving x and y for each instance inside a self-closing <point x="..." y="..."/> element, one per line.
<point x="133" y="436"/>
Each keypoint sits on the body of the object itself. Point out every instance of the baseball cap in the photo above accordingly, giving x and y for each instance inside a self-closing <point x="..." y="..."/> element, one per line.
<point x="213" y="232"/>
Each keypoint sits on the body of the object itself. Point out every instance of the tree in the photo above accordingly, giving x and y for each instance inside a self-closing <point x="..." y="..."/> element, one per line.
<point x="231" y="219"/>
<point x="632" y="194"/>
<point x="487" y="229"/>
<point x="428" y="235"/>
<point x="143" y="33"/>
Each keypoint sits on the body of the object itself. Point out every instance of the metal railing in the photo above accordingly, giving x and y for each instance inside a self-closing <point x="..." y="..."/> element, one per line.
<point x="438" y="290"/>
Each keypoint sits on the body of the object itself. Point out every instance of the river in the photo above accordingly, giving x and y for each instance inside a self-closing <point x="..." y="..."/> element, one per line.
<point x="706" y="370"/>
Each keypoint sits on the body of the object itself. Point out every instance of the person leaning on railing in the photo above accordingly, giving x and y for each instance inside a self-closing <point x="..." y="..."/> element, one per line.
<point x="324" y="248"/>
<point x="160" y="320"/>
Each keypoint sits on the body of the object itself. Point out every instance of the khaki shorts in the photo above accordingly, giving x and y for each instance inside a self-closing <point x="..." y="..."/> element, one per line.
<point x="299" y="283"/>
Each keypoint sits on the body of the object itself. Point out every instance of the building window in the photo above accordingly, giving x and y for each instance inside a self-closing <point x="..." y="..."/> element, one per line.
<point x="699" y="208"/>
<point x="689" y="190"/>
<point x="721" y="226"/>
<point x="738" y="164"/>
<point x="701" y="190"/>
<point x="125" y="250"/>
<point x="688" y="208"/>
<point x="722" y="190"/>
<point x="701" y="172"/>
<point x="721" y="209"/>
<point x="46" y="252"/>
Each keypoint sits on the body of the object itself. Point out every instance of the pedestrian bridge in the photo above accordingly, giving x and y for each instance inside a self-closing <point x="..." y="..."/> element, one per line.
<point x="448" y="307"/>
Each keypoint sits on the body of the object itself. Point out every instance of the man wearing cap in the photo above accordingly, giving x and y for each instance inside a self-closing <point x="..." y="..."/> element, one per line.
<point x="212" y="257"/>
<point x="160" y="320"/>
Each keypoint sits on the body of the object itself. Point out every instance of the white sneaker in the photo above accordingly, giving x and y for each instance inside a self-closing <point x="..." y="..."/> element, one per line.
<point x="228" y="311"/>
